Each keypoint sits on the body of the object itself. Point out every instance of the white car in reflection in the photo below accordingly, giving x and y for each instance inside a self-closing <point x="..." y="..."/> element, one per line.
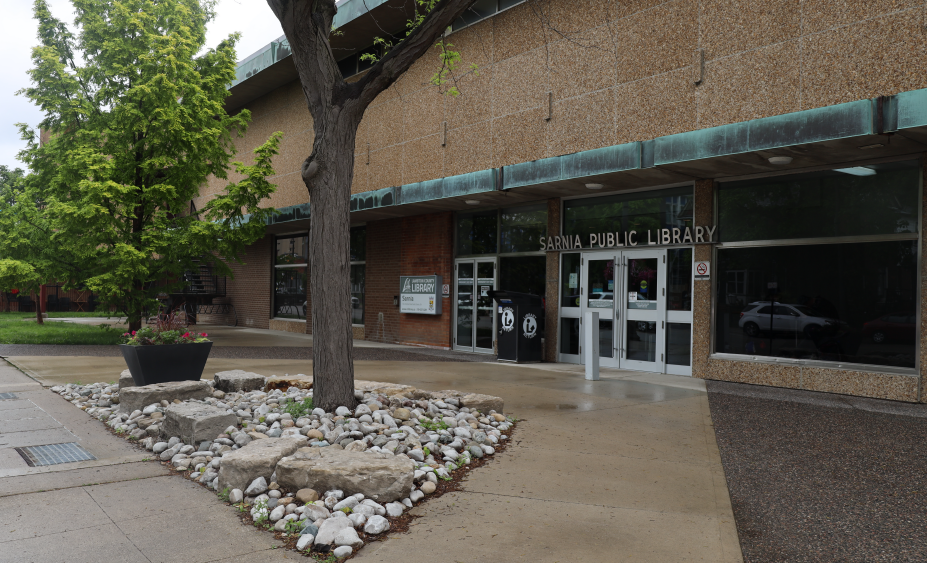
<point x="763" y="316"/>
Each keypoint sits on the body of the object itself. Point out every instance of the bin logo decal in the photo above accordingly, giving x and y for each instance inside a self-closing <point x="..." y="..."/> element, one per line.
<point x="508" y="319"/>
<point x="530" y="325"/>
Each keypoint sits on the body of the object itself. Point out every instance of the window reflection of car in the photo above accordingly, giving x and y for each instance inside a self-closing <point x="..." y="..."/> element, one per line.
<point x="601" y="299"/>
<point x="899" y="327"/>
<point x="763" y="316"/>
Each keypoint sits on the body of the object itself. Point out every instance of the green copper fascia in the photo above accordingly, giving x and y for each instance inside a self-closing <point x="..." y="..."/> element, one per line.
<point x="841" y="121"/>
<point x="353" y="9"/>
<point x="577" y="165"/>
<point x="452" y="186"/>
<point x="911" y="108"/>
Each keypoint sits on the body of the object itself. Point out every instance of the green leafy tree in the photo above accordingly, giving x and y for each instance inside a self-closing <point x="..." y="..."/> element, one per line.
<point x="133" y="110"/>
<point x="337" y="108"/>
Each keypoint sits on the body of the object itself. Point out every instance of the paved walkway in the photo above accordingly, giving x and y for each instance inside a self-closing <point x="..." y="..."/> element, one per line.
<point x="623" y="469"/>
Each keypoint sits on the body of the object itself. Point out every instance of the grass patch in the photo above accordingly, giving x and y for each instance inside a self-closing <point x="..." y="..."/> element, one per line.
<point x="58" y="315"/>
<point x="13" y="330"/>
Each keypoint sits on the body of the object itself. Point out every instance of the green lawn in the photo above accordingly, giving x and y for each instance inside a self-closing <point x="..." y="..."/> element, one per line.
<point x="14" y="330"/>
<point x="69" y="315"/>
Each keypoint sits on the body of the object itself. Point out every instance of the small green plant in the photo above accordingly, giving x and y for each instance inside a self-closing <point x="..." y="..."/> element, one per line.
<point x="346" y="510"/>
<point x="261" y="513"/>
<point x="146" y="459"/>
<point x="444" y="478"/>
<point x="261" y="419"/>
<point x="297" y="409"/>
<point x="120" y="430"/>
<point x="432" y="424"/>
<point x="293" y="527"/>
<point x="202" y="470"/>
<point x="242" y="507"/>
<point x="224" y="495"/>
<point x="426" y="451"/>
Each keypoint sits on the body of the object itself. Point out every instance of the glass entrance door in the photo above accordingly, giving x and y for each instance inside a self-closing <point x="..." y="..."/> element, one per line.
<point x="597" y="294"/>
<point x="643" y="302"/>
<point x="474" y="324"/>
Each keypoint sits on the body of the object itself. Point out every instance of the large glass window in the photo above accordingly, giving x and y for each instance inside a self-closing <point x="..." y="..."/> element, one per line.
<point x="521" y="228"/>
<point x="290" y="281"/>
<point x="570" y="272"/>
<point x="358" y="273"/>
<point x="477" y="233"/>
<point x="833" y="302"/>
<point x="858" y="201"/>
<point x="639" y="212"/>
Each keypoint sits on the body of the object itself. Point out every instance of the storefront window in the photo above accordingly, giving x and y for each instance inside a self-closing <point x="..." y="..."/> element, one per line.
<point x="522" y="228"/>
<point x="570" y="274"/>
<point x="290" y="293"/>
<point x="822" y="204"/>
<point x="290" y="277"/>
<point x="477" y="233"/>
<point x="358" y="273"/>
<point x="639" y="212"/>
<point x="679" y="279"/>
<point x="850" y="302"/>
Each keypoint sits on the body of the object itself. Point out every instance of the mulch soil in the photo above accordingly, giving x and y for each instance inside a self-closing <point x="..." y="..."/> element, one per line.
<point x="822" y="483"/>
<point x="255" y="353"/>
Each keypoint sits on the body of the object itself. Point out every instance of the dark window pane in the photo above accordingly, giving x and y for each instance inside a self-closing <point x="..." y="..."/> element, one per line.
<point x="465" y="304"/>
<point x="348" y="66"/>
<point x="569" y="336"/>
<point x="821" y="204"/>
<point x="477" y="233"/>
<point x="838" y="302"/>
<point x="524" y="274"/>
<point x="522" y="228"/>
<point x="628" y="212"/>
<point x="290" y="293"/>
<point x="506" y="4"/>
<point x="479" y="10"/>
<point x="358" y="273"/>
<point x="569" y="279"/>
<point x="642" y="341"/>
<point x="292" y="250"/>
<point x="679" y="279"/>
<point x="678" y="344"/>
<point x="358" y="244"/>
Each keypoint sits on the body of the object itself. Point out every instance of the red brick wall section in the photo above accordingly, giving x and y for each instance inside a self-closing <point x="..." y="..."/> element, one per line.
<point x="384" y="252"/>
<point x="250" y="289"/>
<point x="427" y="249"/>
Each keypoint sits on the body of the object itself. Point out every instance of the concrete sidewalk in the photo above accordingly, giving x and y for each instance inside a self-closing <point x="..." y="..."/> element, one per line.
<point x="622" y="469"/>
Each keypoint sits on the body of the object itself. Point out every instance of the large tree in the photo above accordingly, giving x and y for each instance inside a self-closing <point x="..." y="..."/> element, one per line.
<point x="337" y="108"/>
<point x="134" y="126"/>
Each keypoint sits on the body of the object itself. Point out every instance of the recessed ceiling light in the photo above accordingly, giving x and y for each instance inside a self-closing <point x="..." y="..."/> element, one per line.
<point x="472" y="202"/>
<point x="857" y="171"/>
<point x="872" y="146"/>
<point x="780" y="160"/>
<point x="594" y="186"/>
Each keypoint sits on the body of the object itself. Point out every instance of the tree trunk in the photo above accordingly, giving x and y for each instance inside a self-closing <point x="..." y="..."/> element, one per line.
<point x="135" y="325"/>
<point x="38" y="310"/>
<point x="327" y="173"/>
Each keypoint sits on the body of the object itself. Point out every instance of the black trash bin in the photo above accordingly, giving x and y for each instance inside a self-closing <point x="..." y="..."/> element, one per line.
<point x="519" y="325"/>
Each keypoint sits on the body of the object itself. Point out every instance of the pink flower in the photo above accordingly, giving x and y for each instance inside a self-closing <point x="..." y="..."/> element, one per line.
<point x="186" y="335"/>
<point x="203" y="334"/>
<point x="133" y="333"/>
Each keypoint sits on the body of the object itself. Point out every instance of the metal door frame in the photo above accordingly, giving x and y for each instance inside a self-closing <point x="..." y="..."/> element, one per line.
<point x="605" y="361"/>
<point x="475" y="262"/>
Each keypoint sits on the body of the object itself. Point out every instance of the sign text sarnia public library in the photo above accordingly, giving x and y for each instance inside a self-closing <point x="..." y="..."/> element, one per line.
<point x="689" y="235"/>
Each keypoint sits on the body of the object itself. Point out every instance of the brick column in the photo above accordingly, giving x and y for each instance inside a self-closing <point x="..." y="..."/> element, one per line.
<point x="384" y="255"/>
<point x="427" y="249"/>
<point x="551" y="309"/>
<point x="250" y="288"/>
<point x="701" y="304"/>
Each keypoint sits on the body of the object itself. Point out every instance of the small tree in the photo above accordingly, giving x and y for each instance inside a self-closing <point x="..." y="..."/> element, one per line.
<point x="136" y="125"/>
<point x="337" y="108"/>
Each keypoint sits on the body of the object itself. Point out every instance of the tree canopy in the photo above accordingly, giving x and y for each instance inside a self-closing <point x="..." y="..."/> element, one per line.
<point x="134" y="127"/>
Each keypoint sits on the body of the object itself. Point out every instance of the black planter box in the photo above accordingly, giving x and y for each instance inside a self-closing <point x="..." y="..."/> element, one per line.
<point x="169" y="362"/>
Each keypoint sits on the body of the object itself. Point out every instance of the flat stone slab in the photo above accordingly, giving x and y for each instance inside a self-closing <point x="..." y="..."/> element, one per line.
<point x="382" y="477"/>
<point x="477" y="401"/>
<point x="137" y="398"/>
<point x="125" y="379"/>
<point x="196" y="422"/>
<point x="284" y="382"/>
<point x="388" y="389"/>
<point x="257" y="459"/>
<point x="238" y="380"/>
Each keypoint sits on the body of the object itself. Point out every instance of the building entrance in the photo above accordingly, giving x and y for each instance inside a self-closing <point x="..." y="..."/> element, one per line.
<point x="643" y="298"/>
<point x="474" y="329"/>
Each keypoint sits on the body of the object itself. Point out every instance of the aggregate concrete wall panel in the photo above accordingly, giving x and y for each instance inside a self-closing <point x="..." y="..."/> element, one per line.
<point x="881" y="56"/>
<point x="359" y="178"/>
<point x="385" y="123"/>
<point x="571" y="17"/>
<point x="751" y="85"/>
<point x="585" y="62"/>
<point x="655" y="106"/>
<point x="422" y="113"/>
<point x="658" y="40"/>
<point x="468" y="149"/>
<point x="385" y="168"/>
<point x="582" y="123"/>
<point x="819" y="15"/>
<point x="518" y="30"/>
<point x="519" y="137"/>
<point x="474" y="104"/>
<point x="520" y="83"/>
<point x="862" y="384"/>
<point x="735" y="26"/>
<point x="422" y="159"/>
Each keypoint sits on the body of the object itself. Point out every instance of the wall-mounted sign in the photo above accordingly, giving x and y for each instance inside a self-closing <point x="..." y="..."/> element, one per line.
<point x="702" y="271"/>
<point x="420" y="295"/>
<point x="663" y="237"/>
<point x="446" y="290"/>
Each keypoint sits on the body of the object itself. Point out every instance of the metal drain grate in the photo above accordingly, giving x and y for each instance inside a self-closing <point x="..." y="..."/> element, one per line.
<point x="54" y="454"/>
<point x="6" y="396"/>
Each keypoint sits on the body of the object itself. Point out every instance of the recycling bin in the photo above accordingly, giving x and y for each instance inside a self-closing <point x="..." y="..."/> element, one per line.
<point x="519" y="323"/>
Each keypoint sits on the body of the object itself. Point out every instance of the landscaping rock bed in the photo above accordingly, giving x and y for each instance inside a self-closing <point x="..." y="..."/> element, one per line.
<point x="323" y="482"/>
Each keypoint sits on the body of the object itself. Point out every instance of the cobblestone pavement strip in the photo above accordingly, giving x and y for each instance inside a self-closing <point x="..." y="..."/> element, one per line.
<point x="819" y="477"/>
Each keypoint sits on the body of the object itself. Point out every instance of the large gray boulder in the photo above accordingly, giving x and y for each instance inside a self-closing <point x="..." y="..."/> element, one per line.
<point x="137" y="398"/>
<point x="258" y="459"/>
<point x="238" y="380"/>
<point x="381" y="477"/>
<point x="482" y="403"/>
<point x="125" y="380"/>
<point x="196" y="422"/>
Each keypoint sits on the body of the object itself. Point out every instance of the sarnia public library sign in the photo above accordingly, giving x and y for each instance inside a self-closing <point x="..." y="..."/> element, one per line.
<point x="689" y="235"/>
